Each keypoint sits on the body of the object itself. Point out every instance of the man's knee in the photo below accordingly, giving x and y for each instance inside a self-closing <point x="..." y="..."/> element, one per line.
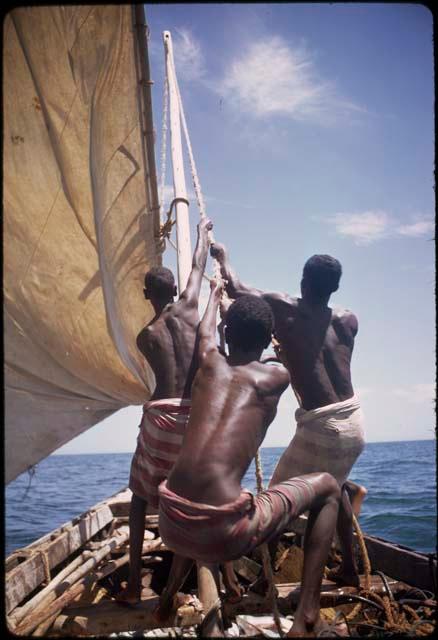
<point x="331" y="486"/>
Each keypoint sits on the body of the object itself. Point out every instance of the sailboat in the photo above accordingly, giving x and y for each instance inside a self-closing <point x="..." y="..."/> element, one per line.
<point x="81" y="227"/>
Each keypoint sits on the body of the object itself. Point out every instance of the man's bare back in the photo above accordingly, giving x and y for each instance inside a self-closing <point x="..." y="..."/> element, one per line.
<point x="316" y="342"/>
<point x="169" y="341"/>
<point x="169" y="345"/>
<point x="233" y="402"/>
<point x="316" y="347"/>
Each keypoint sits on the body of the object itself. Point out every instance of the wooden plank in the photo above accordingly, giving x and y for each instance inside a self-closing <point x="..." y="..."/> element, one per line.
<point x="70" y="588"/>
<point x="107" y="616"/>
<point x="401" y="563"/>
<point x="120" y="503"/>
<point x="150" y="521"/>
<point x="22" y="580"/>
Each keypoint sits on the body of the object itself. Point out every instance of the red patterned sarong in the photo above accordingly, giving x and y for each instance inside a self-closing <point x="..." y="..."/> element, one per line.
<point x="217" y="534"/>
<point x="158" y="445"/>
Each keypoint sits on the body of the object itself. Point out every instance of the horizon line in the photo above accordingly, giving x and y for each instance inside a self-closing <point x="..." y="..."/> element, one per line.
<point x="82" y="453"/>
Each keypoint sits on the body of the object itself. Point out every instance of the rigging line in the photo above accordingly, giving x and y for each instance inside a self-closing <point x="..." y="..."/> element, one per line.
<point x="195" y="178"/>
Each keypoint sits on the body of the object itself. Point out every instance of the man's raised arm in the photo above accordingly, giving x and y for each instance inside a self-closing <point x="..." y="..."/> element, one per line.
<point x="234" y="287"/>
<point x="207" y="328"/>
<point x="193" y="287"/>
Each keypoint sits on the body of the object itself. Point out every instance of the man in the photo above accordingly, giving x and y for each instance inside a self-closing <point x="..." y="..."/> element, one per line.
<point x="204" y="513"/>
<point x="169" y="344"/>
<point x="316" y="345"/>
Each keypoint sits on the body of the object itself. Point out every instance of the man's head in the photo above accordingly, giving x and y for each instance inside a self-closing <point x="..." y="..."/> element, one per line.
<point x="321" y="275"/>
<point x="249" y="324"/>
<point x="159" y="283"/>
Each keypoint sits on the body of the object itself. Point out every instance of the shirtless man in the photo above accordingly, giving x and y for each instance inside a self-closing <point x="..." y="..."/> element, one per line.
<point x="204" y="513"/>
<point x="316" y="345"/>
<point x="169" y="344"/>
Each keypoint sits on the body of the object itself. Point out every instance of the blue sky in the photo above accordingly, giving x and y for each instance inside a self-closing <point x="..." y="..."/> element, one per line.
<point x="312" y="129"/>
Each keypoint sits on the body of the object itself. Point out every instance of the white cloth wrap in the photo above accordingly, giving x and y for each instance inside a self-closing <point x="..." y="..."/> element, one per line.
<point x="329" y="439"/>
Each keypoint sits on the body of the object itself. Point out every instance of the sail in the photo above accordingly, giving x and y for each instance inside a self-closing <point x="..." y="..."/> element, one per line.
<point x="80" y="223"/>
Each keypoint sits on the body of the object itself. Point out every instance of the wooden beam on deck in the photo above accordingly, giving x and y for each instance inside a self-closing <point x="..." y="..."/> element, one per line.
<point x="107" y="616"/>
<point x="30" y="573"/>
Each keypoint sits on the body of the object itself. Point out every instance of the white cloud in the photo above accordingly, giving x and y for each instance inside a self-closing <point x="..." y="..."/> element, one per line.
<point x="417" y="229"/>
<point x="370" y="226"/>
<point x="271" y="78"/>
<point x="363" y="228"/>
<point x="417" y="393"/>
<point x="189" y="59"/>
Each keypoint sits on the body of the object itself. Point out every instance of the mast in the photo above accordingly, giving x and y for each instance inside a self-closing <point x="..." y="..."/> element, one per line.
<point x="184" y="249"/>
<point x="145" y="109"/>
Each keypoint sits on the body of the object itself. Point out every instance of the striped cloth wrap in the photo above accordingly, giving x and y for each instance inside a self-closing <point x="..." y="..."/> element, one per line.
<point x="221" y="533"/>
<point x="159" y="442"/>
<point x="329" y="439"/>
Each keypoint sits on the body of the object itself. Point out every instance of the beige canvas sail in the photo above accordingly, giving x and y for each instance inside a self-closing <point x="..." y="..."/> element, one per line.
<point x="80" y="224"/>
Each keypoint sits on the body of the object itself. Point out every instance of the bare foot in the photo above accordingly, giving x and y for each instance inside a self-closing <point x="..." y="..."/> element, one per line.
<point x="344" y="578"/>
<point x="129" y="595"/>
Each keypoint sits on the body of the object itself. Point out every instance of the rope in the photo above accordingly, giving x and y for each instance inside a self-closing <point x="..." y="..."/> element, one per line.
<point x="364" y="552"/>
<point x="31" y="473"/>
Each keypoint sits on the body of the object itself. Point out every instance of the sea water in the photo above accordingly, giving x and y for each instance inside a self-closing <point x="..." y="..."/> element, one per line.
<point x="400" y="505"/>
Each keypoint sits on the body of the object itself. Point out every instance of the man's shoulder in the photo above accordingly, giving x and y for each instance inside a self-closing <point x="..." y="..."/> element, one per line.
<point x="346" y="318"/>
<point x="280" y="300"/>
<point x="342" y="313"/>
<point x="276" y="374"/>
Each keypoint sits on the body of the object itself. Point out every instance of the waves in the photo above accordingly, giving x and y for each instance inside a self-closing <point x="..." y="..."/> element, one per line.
<point x="400" y="478"/>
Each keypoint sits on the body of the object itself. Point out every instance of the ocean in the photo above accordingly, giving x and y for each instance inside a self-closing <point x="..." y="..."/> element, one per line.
<point x="400" y="478"/>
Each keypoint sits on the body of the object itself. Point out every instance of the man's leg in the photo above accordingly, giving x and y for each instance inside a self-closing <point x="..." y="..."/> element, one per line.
<point x="347" y="573"/>
<point x="323" y="506"/>
<point x="232" y="584"/>
<point x="177" y="575"/>
<point x="132" y="593"/>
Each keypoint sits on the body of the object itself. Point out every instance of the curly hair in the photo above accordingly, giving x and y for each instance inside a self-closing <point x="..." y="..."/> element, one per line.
<point x="249" y="323"/>
<point x="160" y="280"/>
<point x="322" y="273"/>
